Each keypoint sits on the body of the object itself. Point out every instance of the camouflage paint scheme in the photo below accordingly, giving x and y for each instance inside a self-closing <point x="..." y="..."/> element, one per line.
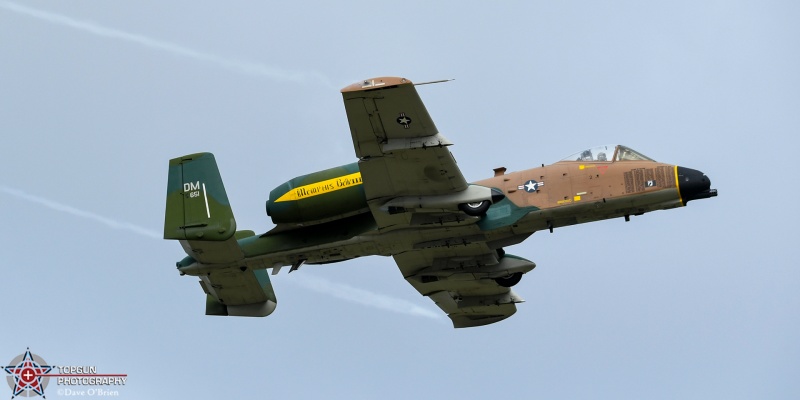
<point x="407" y="199"/>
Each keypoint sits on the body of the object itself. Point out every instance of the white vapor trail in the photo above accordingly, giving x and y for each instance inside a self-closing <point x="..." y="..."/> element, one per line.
<point x="238" y="66"/>
<point x="320" y="285"/>
<point x="364" y="297"/>
<point x="81" y="213"/>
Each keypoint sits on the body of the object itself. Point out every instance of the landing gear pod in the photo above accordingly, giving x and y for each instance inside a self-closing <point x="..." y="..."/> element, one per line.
<point x="513" y="267"/>
<point x="474" y="201"/>
<point x="475" y="209"/>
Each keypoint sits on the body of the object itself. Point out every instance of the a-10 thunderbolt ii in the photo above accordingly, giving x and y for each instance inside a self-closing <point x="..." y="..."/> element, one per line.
<point x="406" y="198"/>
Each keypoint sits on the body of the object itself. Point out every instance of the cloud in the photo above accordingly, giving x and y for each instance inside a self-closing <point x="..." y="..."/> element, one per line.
<point x="320" y="285"/>
<point x="238" y="66"/>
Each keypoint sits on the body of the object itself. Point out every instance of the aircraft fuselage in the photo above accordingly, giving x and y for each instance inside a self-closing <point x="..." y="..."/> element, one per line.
<point x="544" y="198"/>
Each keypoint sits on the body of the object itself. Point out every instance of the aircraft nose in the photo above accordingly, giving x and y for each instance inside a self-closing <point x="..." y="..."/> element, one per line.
<point x="694" y="185"/>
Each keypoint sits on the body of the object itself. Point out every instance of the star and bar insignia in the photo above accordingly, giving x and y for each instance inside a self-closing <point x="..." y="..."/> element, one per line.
<point x="404" y="120"/>
<point x="531" y="186"/>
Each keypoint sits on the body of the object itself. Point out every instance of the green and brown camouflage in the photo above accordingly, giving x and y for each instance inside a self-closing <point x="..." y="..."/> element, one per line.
<point x="199" y="215"/>
<point x="406" y="198"/>
<point x="194" y="193"/>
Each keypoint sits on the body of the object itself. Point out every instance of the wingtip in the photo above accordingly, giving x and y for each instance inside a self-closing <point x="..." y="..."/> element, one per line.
<point x="376" y="83"/>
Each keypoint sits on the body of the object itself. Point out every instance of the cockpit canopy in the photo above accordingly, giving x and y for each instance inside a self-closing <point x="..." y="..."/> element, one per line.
<point x="608" y="153"/>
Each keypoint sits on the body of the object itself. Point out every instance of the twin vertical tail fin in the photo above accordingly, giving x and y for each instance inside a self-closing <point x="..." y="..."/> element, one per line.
<point x="197" y="205"/>
<point x="199" y="215"/>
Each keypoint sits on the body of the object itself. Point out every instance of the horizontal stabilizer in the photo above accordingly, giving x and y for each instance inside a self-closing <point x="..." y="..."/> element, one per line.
<point x="234" y="292"/>
<point x="213" y="307"/>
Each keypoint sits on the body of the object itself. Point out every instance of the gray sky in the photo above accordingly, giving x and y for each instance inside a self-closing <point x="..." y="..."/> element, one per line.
<point x="700" y="302"/>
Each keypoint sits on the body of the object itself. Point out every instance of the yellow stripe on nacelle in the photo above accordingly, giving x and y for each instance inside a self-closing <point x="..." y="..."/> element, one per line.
<point x="322" y="187"/>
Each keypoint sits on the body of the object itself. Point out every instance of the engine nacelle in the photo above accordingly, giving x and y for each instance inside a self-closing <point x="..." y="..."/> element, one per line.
<point x="318" y="197"/>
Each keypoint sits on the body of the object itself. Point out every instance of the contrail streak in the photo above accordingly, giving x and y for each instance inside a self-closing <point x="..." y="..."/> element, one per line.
<point x="320" y="285"/>
<point x="340" y="291"/>
<point x="238" y="66"/>
<point x="81" y="213"/>
<point x="364" y="297"/>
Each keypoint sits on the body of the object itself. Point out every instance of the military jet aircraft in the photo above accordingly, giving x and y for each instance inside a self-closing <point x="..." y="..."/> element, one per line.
<point x="406" y="198"/>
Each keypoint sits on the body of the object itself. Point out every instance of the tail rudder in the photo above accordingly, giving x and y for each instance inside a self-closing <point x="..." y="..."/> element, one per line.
<point x="197" y="205"/>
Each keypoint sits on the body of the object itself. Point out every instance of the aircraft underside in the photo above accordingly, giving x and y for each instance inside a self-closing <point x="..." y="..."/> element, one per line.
<point x="407" y="198"/>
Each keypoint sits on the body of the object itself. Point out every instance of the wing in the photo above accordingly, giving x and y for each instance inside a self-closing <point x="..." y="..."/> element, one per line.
<point x="464" y="281"/>
<point x="400" y="151"/>
<point x="411" y="179"/>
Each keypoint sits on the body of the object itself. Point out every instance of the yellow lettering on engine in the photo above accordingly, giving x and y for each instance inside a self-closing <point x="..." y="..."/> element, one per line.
<point x="322" y="187"/>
